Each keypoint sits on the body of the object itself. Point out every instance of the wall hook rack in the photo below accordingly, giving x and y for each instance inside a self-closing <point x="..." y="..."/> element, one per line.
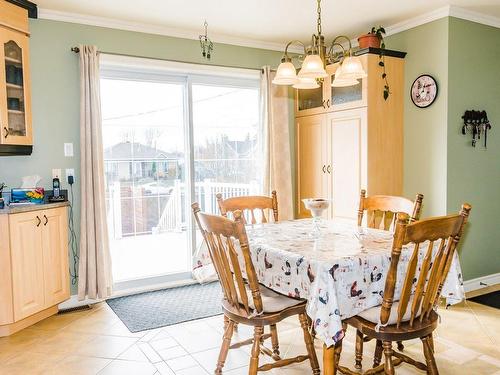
<point x="476" y="123"/>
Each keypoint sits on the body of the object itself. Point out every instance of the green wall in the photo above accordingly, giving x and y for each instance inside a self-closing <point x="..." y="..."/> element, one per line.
<point x="55" y="88"/>
<point x="474" y="173"/>
<point x="425" y="130"/>
<point x="463" y="56"/>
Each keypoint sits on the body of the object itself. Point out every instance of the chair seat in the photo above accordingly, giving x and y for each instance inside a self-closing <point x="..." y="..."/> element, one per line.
<point x="272" y="301"/>
<point x="373" y="314"/>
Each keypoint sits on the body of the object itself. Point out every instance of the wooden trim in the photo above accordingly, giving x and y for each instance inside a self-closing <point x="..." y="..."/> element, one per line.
<point x="6" y="307"/>
<point x="9" y="329"/>
<point x="14" y="17"/>
<point x="28" y="5"/>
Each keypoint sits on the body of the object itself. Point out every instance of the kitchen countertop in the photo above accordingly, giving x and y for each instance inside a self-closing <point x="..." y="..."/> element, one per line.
<point x="32" y="207"/>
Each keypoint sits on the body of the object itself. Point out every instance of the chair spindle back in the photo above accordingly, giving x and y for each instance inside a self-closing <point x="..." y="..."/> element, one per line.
<point x="446" y="232"/>
<point x="219" y="234"/>
<point x="382" y="210"/>
<point x="249" y="205"/>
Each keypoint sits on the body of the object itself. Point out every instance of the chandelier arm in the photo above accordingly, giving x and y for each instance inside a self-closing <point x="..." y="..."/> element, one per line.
<point x="330" y="51"/>
<point x="288" y="58"/>
<point x="334" y="42"/>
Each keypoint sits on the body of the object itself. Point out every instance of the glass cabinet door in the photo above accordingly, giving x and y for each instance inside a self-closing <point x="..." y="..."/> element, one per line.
<point x="346" y="97"/>
<point x="310" y="98"/>
<point x="16" y="127"/>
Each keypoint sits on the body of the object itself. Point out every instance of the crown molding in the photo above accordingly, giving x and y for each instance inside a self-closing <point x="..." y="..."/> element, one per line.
<point x="469" y="15"/>
<point x="446" y="11"/>
<point x="112" y="23"/>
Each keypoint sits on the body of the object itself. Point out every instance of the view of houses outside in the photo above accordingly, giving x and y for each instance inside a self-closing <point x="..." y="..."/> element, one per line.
<point x="144" y="154"/>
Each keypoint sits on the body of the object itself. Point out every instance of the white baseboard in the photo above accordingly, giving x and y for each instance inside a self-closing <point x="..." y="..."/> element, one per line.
<point x="481" y="282"/>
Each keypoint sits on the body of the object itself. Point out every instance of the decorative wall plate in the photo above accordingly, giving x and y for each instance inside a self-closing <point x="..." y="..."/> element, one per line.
<point x="424" y="91"/>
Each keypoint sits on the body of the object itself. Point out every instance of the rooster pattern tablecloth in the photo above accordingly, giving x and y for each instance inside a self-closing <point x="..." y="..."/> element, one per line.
<point x="340" y="274"/>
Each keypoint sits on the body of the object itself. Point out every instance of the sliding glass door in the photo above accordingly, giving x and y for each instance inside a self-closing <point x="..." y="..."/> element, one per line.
<point x="169" y="140"/>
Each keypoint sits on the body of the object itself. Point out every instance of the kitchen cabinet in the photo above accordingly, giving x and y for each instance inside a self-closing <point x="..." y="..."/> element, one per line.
<point x="34" y="255"/>
<point x="16" y="133"/>
<point x="353" y="141"/>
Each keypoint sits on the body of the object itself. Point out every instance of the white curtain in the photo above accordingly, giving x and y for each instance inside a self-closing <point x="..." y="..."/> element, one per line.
<point x="276" y="141"/>
<point x="95" y="278"/>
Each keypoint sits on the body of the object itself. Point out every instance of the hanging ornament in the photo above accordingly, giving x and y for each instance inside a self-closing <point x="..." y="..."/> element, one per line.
<point x="206" y="44"/>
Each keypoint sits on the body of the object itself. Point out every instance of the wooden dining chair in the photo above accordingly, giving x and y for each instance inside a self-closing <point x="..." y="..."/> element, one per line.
<point x="382" y="212"/>
<point x="413" y="315"/>
<point x="245" y="300"/>
<point x="382" y="209"/>
<point x="250" y="205"/>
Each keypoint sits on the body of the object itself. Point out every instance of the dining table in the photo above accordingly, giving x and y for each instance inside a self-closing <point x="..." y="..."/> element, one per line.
<point x="340" y="272"/>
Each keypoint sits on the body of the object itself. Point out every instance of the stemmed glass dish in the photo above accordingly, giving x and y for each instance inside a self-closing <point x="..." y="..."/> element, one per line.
<point x="317" y="206"/>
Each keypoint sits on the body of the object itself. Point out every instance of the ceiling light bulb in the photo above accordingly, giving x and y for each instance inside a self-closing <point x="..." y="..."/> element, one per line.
<point x="306" y="83"/>
<point x="352" y="68"/>
<point x="312" y="67"/>
<point x="286" y="74"/>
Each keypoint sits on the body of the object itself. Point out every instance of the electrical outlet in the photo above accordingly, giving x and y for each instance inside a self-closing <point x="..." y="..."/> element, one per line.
<point x="69" y="172"/>
<point x="68" y="149"/>
<point x="56" y="173"/>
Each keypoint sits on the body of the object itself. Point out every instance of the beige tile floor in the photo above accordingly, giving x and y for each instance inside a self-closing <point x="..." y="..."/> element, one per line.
<point x="96" y="342"/>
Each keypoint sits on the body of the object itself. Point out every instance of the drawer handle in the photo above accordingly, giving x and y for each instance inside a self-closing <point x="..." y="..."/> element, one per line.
<point x="46" y="220"/>
<point x="6" y="132"/>
<point x="39" y="221"/>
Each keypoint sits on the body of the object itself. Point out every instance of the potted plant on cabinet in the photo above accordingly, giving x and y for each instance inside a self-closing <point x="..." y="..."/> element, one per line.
<point x="375" y="39"/>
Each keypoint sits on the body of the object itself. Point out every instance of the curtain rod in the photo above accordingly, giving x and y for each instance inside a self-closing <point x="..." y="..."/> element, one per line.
<point x="77" y="50"/>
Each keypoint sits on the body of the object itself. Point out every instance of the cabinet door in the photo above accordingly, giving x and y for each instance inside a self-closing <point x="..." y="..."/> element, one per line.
<point x="55" y="255"/>
<point x="349" y="97"/>
<point x="347" y="135"/>
<point x="311" y="160"/>
<point x="27" y="263"/>
<point x="15" y="97"/>
<point x="311" y="101"/>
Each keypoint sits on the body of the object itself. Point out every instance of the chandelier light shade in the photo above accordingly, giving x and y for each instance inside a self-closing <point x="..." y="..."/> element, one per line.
<point x="352" y="68"/>
<point x="306" y="84"/>
<point x="286" y="74"/>
<point x="313" y="70"/>
<point x="313" y="67"/>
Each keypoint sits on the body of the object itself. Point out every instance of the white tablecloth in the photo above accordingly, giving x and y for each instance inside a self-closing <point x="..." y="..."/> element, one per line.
<point x="340" y="274"/>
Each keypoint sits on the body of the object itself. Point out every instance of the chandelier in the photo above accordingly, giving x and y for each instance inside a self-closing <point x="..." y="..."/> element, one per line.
<point x="315" y="58"/>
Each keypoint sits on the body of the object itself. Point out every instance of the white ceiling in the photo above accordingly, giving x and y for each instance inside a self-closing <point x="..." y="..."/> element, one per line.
<point x="271" y="21"/>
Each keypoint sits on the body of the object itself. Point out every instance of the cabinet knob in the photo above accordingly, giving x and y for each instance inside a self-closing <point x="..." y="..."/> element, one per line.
<point x="329" y="169"/>
<point x="39" y="221"/>
<point x="6" y="132"/>
<point x="46" y="220"/>
<point x="324" y="166"/>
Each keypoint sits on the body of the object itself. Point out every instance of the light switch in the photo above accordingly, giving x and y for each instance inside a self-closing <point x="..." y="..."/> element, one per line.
<point x="68" y="149"/>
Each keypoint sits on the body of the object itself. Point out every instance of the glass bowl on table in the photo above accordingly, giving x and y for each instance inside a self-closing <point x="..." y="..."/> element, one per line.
<point x="317" y="206"/>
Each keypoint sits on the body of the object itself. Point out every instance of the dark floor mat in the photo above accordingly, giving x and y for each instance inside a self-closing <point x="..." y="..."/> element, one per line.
<point x="165" y="307"/>
<point x="490" y="299"/>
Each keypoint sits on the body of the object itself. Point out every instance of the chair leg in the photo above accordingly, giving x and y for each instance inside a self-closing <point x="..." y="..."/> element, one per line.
<point x="389" y="367"/>
<point x="226" y="342"/>
<point x="359" y="350"/>
<point x="429" y="356"/>
<point x="377" y="357"/>
<point x="275" y="342"/>
<point x="313" y="359"/>
<point x="254" y="360"/>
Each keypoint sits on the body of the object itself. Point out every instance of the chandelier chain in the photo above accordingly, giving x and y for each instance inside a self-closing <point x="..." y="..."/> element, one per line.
<point x="319" y="16"/>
